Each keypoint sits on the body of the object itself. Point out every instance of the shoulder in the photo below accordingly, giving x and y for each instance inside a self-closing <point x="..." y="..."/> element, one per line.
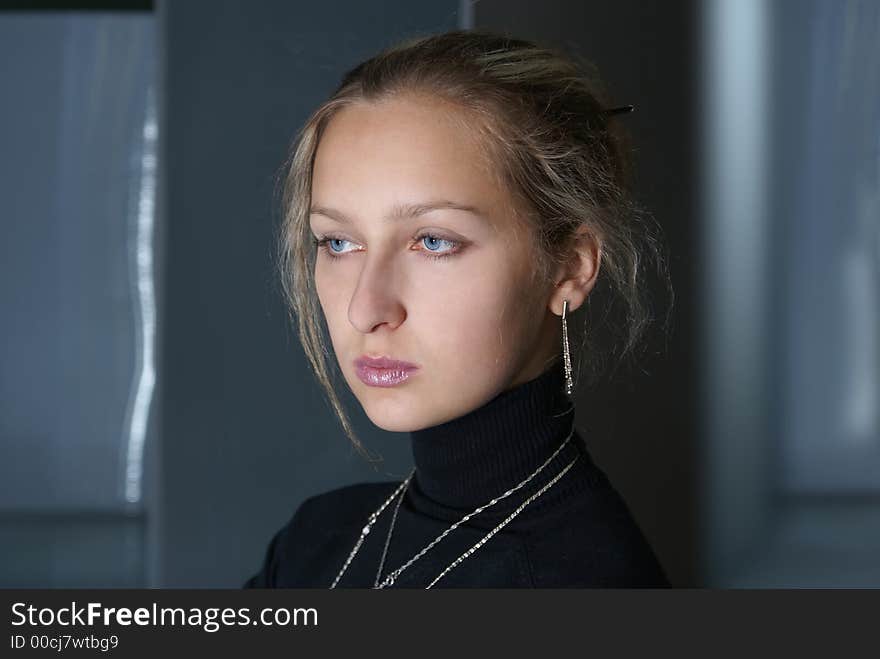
<point x="322" y="519"/>
<point x="596" y="543"/>
<point x="298" y="550"/>
<point x="345" y="504"/>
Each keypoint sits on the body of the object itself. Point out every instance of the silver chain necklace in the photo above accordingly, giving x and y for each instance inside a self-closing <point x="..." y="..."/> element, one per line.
<point x="401" y="492"/>
<point x="391" y="578"/>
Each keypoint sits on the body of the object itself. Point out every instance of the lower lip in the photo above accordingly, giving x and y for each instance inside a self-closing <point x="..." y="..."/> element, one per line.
<point x="383" y="377"/>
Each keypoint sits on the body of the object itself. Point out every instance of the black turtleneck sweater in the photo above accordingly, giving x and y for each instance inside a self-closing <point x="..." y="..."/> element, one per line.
<point x="578" y="533"/>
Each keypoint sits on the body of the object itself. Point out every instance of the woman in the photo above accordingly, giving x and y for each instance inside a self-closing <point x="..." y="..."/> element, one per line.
<point x="446" y="211"/>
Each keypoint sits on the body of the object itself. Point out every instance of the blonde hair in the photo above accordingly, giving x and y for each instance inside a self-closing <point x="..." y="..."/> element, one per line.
<point x="546" y="126"/>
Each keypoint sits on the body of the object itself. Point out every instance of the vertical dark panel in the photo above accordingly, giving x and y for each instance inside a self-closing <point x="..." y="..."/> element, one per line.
<point x="245" y="432"/>
<point x="74" y="184"/>
<point x="647" y="53"/>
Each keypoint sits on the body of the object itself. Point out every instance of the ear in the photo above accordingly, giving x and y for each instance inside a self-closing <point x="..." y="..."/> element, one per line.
<point x="576" y="278"/>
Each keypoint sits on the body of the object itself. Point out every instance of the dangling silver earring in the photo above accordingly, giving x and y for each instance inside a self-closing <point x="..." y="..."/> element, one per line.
<point x="566" y="357"/>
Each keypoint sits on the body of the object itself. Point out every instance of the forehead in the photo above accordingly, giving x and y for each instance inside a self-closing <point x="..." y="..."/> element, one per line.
<point x="406" y="149"/>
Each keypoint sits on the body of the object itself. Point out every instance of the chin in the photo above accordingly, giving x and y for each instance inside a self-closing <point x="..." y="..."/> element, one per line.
<point x="393" y="425"/>
<point x="396" y="411"/>
<point x="392" y="420"/>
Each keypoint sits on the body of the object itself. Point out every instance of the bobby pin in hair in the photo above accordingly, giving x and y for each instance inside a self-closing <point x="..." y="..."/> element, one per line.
<point x="623" y="109"/>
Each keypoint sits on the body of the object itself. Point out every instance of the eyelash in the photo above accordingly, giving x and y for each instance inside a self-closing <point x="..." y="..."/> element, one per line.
<point x="322" y="244"/>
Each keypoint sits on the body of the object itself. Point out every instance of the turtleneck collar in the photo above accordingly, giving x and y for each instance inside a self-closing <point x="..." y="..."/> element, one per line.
<point x="465" y="462"/>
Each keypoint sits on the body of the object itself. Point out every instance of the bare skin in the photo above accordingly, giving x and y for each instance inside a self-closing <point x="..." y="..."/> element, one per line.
<point x="473" y="321"/>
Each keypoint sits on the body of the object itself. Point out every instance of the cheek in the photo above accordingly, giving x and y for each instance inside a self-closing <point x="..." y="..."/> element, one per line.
<point x="473" y="317"/>
<point x="332" y="288"/>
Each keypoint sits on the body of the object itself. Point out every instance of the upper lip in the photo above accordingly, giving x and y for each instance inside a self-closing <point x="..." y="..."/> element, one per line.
<point x="382" y="362"/>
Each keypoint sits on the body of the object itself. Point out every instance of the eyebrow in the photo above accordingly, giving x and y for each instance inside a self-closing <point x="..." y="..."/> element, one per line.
<point x="403" y="211"/>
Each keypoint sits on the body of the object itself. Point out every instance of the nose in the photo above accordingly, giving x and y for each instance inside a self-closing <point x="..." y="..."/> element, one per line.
<point x="375" y="301"/>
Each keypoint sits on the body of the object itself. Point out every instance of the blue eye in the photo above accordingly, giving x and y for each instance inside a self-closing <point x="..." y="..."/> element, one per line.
<point x="331" y="246"/>
<point x="328" y="245"/>
<point x="432" y="242"/>
<point x="335" y="241"/>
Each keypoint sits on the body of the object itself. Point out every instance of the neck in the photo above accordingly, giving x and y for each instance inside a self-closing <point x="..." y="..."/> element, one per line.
<point x="466" y="462"/>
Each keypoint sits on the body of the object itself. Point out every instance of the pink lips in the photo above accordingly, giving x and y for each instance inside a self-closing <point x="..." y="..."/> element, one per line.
<point x="383" y="371"/>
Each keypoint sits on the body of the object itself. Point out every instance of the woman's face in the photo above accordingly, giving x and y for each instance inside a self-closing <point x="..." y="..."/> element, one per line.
<point x="424" y="263"/>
